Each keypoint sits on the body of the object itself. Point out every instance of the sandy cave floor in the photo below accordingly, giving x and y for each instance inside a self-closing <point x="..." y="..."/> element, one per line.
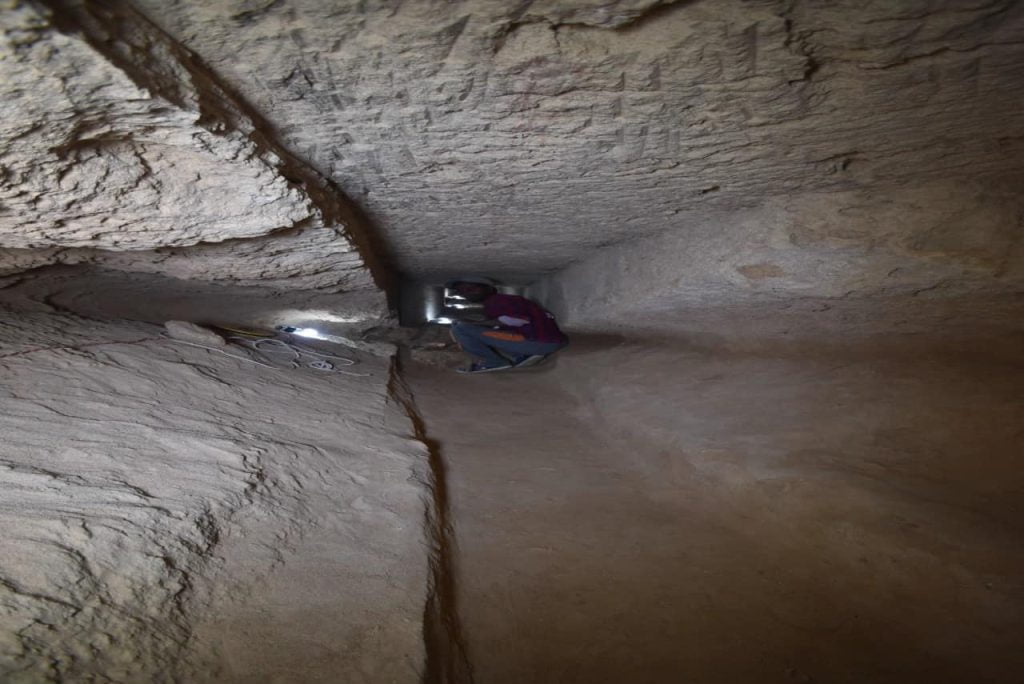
<point x="653" y="514"/>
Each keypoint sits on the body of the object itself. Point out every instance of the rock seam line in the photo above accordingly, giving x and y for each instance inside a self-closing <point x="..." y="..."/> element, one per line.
<point x="447" y="659"/>
<point x="220" y="107"/>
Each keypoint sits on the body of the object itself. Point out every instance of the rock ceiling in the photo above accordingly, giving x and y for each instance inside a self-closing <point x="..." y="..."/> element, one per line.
<point x="515" y="136"/>
<point x="478" y="134"/>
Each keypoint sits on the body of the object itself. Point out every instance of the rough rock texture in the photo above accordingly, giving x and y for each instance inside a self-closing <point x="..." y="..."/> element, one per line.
<point x="190" y="332"/>
<point x="514" y="137"/>
<point x="149" y="486"/>
<point x="702" y="170"/>
<point x="887" y="257"/>
<point x="124" y="149"/>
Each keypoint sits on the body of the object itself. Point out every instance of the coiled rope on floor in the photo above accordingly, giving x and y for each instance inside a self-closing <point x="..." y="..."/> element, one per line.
<point x="300" y="357"/>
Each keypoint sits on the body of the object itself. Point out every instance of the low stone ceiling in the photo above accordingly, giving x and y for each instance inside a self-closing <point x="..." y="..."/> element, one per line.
<point x="218" y="141"/>
<point x="513" y="137"/>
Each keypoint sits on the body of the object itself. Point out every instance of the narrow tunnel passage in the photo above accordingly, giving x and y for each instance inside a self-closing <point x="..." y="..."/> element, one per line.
<point x="786" y="238"/>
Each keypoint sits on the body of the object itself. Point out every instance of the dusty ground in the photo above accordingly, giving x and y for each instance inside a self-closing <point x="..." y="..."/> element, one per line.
<point x="653" y="514"/>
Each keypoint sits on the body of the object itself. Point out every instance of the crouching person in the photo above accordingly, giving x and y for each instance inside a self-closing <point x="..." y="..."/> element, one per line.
<point x="515" y="332"/>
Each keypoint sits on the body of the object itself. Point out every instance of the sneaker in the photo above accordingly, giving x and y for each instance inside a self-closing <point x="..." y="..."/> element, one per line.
<point x="528" y="360"/>
<point x="481" y="368"/>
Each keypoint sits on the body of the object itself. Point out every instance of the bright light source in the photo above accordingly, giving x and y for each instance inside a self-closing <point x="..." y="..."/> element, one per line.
<point x="443" y="320"/>
<point x="309" y="332"/>
<point x="329" y="317"/>
<point x="320" y="315"/>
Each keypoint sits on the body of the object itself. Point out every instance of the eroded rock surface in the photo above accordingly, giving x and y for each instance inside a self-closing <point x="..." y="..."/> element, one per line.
<point x="515" y="137"/>
<point x="125" y="150"/>
<point x="939" y="256"/>
<point x="149" y="486"/>
<point x="687" y="168"/>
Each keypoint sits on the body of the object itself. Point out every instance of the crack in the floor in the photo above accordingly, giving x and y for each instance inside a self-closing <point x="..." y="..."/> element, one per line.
<point x="447" y="658"/>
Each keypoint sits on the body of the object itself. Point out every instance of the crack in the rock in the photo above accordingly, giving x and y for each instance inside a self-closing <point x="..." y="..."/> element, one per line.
<point x="125" y="36"/>
<point x="447" y="659"/>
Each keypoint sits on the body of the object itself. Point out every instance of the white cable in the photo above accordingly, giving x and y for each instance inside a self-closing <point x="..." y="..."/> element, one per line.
<point x="298" y="352"/>
<point x="295" y="362"/>
<point x="221" y="351"/>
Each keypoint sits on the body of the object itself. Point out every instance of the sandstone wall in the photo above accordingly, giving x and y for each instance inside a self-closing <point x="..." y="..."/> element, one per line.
<point x="149" y="488"/>
<point x="900" y="259"/>
<point x="125" y="150"/>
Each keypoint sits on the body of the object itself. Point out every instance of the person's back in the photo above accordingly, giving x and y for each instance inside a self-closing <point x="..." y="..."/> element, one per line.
<point x="511" y="310"/>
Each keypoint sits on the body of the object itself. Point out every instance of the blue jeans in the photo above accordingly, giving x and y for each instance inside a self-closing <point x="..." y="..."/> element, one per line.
<point x="493" y="351"/>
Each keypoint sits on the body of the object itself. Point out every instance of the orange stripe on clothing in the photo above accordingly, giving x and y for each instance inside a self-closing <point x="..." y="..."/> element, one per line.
<point x="508" y="336"/>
